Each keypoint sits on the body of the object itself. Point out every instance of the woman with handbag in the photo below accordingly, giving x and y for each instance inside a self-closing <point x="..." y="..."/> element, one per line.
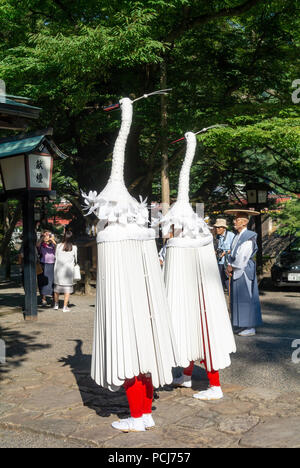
<point x="64" y="270"/>
<point x="46" y="247"/>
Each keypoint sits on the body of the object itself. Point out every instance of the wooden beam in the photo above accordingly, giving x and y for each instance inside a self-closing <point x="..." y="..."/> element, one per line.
<point x="17" y="125"/>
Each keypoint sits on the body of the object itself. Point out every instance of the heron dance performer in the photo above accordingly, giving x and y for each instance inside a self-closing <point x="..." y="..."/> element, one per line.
<point x="198" y="308"/>
<point x="133" y="342"/>
<point x="244" y="297"/>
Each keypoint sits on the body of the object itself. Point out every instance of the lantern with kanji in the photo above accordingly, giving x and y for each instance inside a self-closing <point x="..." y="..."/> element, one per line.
<point x="26" y="164"/>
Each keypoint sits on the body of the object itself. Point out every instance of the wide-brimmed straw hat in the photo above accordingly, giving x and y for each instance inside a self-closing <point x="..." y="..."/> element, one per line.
<point x="220" y="222"/>
<point x="246" y="213"/>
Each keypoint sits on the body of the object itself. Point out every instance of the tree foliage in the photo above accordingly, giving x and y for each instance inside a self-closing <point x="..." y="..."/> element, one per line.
<point x="231" y="62"/>
<point x="288" y="219"/>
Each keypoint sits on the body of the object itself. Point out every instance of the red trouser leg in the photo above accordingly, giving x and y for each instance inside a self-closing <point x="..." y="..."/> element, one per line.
<point x="134" y="389"/>
<point x="189" y="370"/>
<point x="148" y="394"/>
<point x="139" y="392"/>
<point x="213" y="376"/>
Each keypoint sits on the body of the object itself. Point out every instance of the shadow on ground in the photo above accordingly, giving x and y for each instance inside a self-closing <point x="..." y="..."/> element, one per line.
<point x="103" y="401"/>
<point x="11" y="300"/>
<point x="15" y="347"/>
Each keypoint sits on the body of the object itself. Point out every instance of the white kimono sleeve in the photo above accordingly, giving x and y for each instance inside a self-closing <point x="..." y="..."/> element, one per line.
<point x="243" y="256"/>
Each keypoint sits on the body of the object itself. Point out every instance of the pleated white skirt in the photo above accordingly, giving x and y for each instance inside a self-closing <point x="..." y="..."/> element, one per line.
<point x="133" y="331"/>
<point x="198" y="307"/>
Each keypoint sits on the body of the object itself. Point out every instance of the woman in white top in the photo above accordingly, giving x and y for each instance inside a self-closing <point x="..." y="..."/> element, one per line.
<point x="65" y="261"/>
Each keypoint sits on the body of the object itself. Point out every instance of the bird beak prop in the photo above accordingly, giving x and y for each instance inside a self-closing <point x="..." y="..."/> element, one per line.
<point x="155" y="93"/>
<point x="180" y="139"/>
<point x="112" y="107"/>
<point x="204" y="130"/>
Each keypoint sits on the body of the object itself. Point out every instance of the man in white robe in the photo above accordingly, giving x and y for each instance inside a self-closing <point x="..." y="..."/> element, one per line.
<point x="244" y="300"/>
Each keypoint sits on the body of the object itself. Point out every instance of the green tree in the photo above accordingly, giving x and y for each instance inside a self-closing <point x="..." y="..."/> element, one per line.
<point x="10" y="214"/>
<point x="288" y="218"/>
<point x="228" y="61"/>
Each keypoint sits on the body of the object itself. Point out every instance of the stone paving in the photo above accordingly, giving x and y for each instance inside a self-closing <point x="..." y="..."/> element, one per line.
<point x="47" y="398"/>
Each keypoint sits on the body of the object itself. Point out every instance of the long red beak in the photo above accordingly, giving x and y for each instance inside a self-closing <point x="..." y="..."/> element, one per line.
<point x="111" y="107"/>
<point x="180" y="139"/>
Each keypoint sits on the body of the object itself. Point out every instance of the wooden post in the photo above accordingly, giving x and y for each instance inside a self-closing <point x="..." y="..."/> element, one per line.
<point x="29" y="245"/>
<point x="87" y="277"/>
<point x="7" y="264"/>
<point x="259" y="255"/>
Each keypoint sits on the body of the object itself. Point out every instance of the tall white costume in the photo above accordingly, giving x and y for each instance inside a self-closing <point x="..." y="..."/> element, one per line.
<point x="133" y="333"/>
<point x="198" y="308"/>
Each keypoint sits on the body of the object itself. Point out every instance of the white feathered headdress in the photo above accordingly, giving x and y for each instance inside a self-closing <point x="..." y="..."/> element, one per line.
<point x="181" y="215"/>
<point x="115" y="204"/>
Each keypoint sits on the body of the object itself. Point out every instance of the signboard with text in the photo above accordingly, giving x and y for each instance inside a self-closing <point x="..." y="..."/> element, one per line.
<point x="39" y="171"/>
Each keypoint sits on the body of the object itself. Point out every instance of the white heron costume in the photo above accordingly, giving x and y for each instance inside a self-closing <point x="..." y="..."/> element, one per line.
<point x="132" y="332"/>
<point x="198" y="307"/>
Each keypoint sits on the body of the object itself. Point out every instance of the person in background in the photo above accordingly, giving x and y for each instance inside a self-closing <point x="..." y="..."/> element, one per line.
<point x="245" y="303"/>
<point x="66" y="259"/>
<point x="224" y="241"/>
<point x="46" y="247"/>
<point x="163" y="250"/>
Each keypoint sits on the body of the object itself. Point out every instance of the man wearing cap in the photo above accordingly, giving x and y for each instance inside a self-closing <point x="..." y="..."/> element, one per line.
<point x="244" y="300"/>
<point x="224" y="239"/>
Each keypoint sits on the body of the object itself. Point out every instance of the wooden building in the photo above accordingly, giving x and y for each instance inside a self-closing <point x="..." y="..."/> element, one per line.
<point x="16" y="113"/>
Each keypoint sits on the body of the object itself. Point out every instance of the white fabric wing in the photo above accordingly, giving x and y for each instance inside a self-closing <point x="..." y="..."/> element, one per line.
<point x="198" y="308"/>
<point x="133" y="332"/>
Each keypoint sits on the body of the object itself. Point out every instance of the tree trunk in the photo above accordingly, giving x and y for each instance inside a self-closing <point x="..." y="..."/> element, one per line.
<point x="6" y="252"/>
<point x="7" y="263"/>
<point x="165" y="183"/>
<point x="8" y="234"/>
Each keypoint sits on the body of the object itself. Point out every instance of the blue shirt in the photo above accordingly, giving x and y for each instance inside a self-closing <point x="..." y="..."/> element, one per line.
<point x="224" y="243"/>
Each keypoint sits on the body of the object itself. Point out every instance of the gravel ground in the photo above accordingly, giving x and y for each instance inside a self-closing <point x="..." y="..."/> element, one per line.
<point x="22" y="439"/>
<point x="48" y="399"/>
<point x="266" y="359"/>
